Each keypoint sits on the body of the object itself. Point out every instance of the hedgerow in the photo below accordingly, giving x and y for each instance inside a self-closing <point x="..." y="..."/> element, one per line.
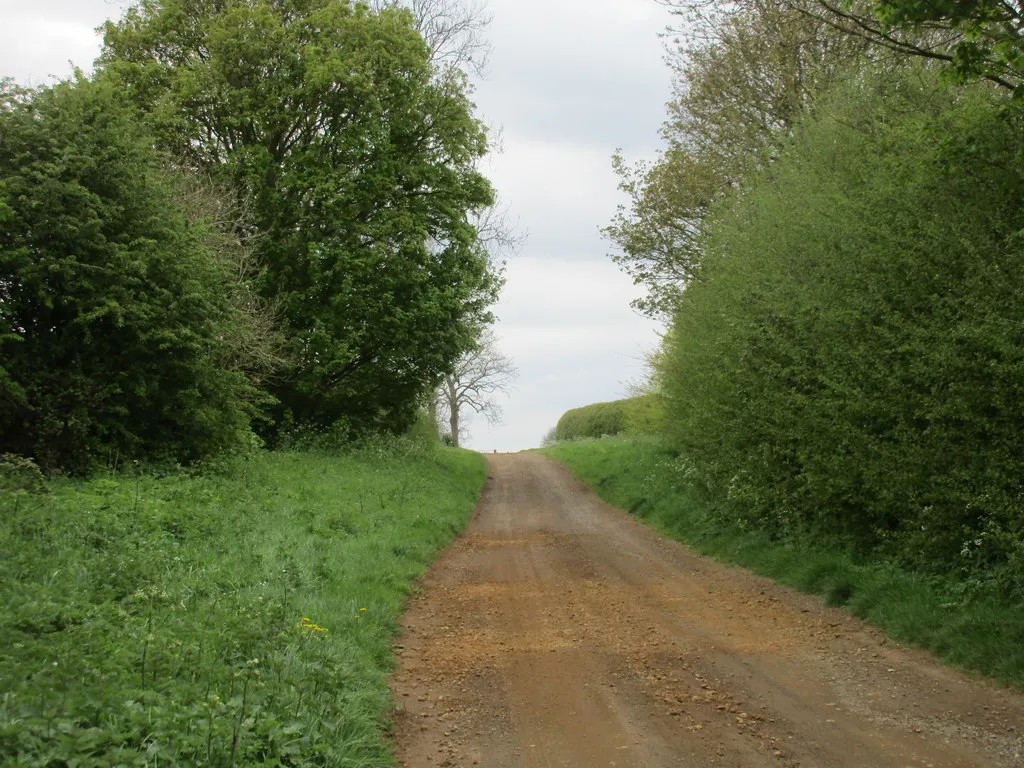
<point x="851" y="364"/>
<point x="643" y="413"/>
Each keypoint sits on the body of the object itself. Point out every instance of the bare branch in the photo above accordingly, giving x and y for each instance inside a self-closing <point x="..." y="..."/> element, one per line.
<point x="501" y="237"/>
<point x="454" y="30"/>
<point x="254" y="344"/>
<point x="479" y="375"/>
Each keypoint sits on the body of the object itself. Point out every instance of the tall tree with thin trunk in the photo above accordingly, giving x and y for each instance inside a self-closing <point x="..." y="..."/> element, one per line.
<point x="744" y="71"/>
<point x="480" y="374"/>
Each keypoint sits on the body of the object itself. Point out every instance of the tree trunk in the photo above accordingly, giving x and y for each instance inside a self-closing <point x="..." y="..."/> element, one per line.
<point x="432" y="412"/>
<point x="453" y="422"/>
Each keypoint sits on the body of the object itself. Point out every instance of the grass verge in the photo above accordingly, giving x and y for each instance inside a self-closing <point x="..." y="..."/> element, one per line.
<point x="231" y="619"/>
<point x="971" y="628"/>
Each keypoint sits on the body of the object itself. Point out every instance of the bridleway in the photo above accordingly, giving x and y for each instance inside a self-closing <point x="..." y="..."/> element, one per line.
<point x="558" y="631"/>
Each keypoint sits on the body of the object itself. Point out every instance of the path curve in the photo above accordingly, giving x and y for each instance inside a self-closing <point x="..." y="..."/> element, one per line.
<point x="558" y="631"/>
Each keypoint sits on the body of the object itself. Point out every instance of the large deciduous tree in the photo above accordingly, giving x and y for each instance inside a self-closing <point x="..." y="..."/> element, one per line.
<point x="357" y="157"/>
<point x="471" y="386"/>
<point x="118" y="296"/>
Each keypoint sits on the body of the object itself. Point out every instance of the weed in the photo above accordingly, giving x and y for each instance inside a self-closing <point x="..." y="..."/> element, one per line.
<point x="223" y="619"/>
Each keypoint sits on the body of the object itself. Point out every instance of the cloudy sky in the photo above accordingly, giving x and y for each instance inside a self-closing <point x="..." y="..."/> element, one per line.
<point x="569" y="81"/>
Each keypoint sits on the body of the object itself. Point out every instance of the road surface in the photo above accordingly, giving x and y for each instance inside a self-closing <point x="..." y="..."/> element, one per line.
<point x="558" y="631"/>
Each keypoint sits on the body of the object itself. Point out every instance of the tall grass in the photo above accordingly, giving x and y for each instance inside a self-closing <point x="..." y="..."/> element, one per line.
<point x="965" y="624"/>
<point x="228" y="619"/>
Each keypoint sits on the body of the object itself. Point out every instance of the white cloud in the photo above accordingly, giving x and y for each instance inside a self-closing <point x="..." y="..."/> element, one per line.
<point x="563" y="192"/>
<point x="569" y="328"/>
<point x="44" y="39"/>
<point x="578" y="70"/>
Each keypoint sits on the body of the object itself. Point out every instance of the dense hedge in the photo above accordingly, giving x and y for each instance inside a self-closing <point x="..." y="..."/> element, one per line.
<point x="852" y="362"/>
<point x="634" y="414"/>
<point x="115" y="304"/>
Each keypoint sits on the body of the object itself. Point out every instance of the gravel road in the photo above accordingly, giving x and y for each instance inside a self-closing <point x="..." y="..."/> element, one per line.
<point x="558" y="631"/>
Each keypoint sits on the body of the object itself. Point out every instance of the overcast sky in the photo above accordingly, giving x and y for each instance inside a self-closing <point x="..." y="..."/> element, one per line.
<point x="569" y="81"/>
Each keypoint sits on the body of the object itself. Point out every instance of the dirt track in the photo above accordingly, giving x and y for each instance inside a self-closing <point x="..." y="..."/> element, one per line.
<point x="560" y="632"/>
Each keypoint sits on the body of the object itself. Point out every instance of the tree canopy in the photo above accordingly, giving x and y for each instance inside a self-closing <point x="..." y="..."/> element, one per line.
<point x="744" y="73"/>
<point x="970" y="38"/>
<point x="357" y="159"/>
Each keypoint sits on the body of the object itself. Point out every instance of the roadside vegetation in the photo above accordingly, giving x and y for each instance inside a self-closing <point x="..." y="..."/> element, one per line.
<point x="237" y="616"/>
<point x="642" y="413"/>
<point x="832" y="237"/>
<point x="236" y="261"/>
<point x="979" y="629"/>
<point x="252" y="218"/>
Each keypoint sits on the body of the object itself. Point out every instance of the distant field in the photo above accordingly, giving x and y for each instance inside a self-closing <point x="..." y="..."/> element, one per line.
<point x="977" y="630"/>
<point x="237" y="618"/>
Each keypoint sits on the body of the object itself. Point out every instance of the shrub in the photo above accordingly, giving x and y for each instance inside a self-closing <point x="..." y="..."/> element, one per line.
<point x="852" y="362"/>
<point x="113" y="307"/>
<point x="634" y="414"/>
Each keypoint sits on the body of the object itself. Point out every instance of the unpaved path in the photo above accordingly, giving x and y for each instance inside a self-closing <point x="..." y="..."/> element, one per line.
<point x="560" y="632"/>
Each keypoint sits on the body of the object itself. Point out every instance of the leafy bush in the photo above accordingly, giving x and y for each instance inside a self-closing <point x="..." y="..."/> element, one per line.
<point x="113" y="307"/>
<point x="852" y="363"/>
<point x="634" y="414"/>
<point x="359" y="161"/>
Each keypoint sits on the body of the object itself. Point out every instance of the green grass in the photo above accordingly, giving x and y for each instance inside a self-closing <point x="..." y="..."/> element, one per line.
<point x="227" y="619"/>
<point x="967" y="626"/>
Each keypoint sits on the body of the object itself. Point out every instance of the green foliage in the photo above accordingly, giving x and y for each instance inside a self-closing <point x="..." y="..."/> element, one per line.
<point x="744" y="73"/>
<point x="983" y="38"/>
<point x="18" y="474"/>
<point x="980" y="630"/>
<point x="242" y="618"/>
<point x="425" y="430"/>
<point x="852" y="364"/>
<point x="357" y="159"/>
<point x="113" y="303"/>
<point x="644" y="413"/>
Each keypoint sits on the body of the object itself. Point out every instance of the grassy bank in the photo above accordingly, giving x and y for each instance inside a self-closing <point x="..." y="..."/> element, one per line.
<point x="962" y="623"/>
<point x="229" y="619"/>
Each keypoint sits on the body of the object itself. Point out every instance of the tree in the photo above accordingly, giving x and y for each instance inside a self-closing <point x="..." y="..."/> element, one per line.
<point x="117" y="294"/>
<point x="357" y="158"/>
<point x="656" y="235"/>
<point x="743" y="72"/>
<point x="478" y="375"/>
<point x="454" y="30"/>
<point x="970" y="38"/>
